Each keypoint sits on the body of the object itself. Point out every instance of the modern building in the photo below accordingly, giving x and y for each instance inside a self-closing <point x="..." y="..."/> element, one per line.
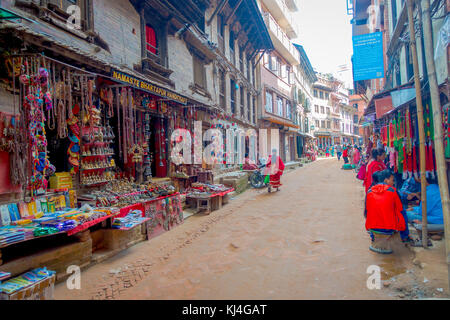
<point x="278" y="109"/>
<point x="305" y="77"/>
<point x="321" y="110"/>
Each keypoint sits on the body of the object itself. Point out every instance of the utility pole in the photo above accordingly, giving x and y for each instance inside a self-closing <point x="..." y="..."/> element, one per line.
<point x="438" y="131"/>
<point x="418" y="86"/>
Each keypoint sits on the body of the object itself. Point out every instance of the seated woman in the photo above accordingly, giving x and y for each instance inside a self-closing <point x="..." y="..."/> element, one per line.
<point x="410" y="190"/>
<point x="383" y="212"/>
<point x="434" y="206"/>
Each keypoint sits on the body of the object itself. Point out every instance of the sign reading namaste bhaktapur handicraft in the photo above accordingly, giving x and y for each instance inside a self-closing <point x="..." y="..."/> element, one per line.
<point x="148" y="87"/>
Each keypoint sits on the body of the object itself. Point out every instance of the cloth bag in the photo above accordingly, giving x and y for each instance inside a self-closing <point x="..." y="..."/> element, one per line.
<point x="362" y="173"/>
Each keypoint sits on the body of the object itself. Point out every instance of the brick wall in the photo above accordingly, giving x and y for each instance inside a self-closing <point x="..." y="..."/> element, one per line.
<point x="115" y="20"/>
<point x="181" y="62"/>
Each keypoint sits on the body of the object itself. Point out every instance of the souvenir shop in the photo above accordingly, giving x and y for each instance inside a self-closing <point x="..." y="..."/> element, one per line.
<point x="398" y="130"/>
<point x="81" y="154"/>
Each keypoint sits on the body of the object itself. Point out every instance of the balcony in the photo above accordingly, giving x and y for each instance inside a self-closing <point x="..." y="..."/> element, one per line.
<point x="281" y="41"/>
<point x="283" y="15"/>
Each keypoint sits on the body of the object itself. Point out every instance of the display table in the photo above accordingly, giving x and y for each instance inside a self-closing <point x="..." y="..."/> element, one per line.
<point x="208" y="202"/>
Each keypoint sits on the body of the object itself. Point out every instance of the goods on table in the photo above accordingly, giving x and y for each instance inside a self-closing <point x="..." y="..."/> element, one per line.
<point x="25" y="280"/>
<point x="4" y="275"/>
<point x="122" y="193"/>
<point x="131" y="220"/>
<point x="205" y="189"/>
<point x="49" y="223"/>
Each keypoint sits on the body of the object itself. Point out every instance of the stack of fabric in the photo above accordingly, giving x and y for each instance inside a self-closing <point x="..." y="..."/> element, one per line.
<point x="25" y="280"/>
<point x="131" y="220"/>
<point x="8" y="237"/>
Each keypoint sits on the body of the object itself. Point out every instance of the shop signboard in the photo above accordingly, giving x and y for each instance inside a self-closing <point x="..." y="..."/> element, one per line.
<point x="148" y="87"/>
<point x="368" y="58"/>
<point x="383" y="106"/>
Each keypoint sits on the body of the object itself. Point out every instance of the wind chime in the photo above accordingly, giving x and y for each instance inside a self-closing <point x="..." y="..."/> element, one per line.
<point x="17" y="145"/>
<point x="147" y="158"/>
<point x="35" y="82"/>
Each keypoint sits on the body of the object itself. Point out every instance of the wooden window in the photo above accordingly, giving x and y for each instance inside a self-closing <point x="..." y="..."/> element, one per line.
<point x="288" y="110"/>
<point x="322" y="123"/>
<point x="233" y="96"/>
<point x="248" y="106"/>
<point x="316" y="108"/>
<point x="151" y="41"/>
<point x="317" y="124"/>
<point x="254" y="109"/>
<point x="321" y="94"/>
<point x="231" y="44"/>
<point x="199" y="72"/>
<point x="249" y="68"/>
<point x="241" y="93"/>
<point x="328" y="124"/>
<point x="269" y="102"/>
<point x="328" y="111"/>
<point x="221" y="33"/>
<point x="280" y="73"/>
<point x="280" y="106"/>
<point x="241" y="59"/>
<point x="322" y="110"/>
<point x="222" y="90"/>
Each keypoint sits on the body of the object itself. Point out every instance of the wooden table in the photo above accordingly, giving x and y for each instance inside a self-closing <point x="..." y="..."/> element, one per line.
<point x="209" y="202"/>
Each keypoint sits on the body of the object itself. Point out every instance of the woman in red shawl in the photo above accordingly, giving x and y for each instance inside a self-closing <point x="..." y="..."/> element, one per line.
<point x="275" y="170"/>
<point x="376" y="164"/>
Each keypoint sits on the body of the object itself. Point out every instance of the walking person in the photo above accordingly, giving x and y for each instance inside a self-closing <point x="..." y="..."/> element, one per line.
<point x="356" y="155"/>
<point x="345" y="154"/>
<point x="339" y="151"/>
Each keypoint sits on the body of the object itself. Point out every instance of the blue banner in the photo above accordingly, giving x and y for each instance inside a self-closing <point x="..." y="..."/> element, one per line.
<point x="368" y="58"/>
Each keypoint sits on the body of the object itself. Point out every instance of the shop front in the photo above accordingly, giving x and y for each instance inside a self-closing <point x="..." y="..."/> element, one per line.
<point x="82" y="153"/>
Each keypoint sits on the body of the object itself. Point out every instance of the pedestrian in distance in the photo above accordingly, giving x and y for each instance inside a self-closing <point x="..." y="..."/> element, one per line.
<point x="339" y="151"/>
<point x="345" y="154"/>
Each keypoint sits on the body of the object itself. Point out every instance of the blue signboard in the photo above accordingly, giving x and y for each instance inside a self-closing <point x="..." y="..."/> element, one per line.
<point x="368" y="60"/>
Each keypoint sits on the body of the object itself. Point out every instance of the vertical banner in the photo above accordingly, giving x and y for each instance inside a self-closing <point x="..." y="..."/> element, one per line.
<point x="368" y="58"/>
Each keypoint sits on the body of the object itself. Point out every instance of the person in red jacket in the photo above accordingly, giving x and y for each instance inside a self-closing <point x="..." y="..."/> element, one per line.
<point x="374" y="165"/>
<point x="384" y="210"/>
<point x="345" y="154"/>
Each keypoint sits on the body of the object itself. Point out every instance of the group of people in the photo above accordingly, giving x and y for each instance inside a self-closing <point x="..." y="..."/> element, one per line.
<point x="388" y="209"/>
<point x="348" y="153"/>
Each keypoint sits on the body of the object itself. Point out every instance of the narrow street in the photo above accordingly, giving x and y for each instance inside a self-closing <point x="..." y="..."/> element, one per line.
<point x="305" y="242"/>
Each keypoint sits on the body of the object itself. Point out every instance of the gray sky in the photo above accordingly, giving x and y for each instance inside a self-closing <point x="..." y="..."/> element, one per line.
<point x="326" y="35"/>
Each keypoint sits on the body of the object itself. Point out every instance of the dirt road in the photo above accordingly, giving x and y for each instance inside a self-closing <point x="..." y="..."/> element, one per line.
<point x="305" y="242"/>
